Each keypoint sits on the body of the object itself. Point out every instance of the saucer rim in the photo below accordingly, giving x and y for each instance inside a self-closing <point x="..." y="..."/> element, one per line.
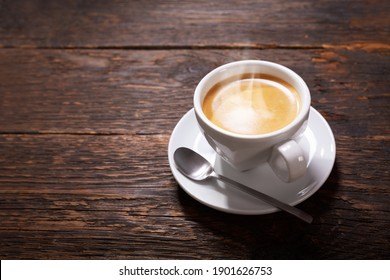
<point x="176" y="174"/>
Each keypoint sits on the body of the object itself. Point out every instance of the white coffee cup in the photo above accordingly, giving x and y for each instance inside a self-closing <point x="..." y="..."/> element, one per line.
<point x="279" y="148"/>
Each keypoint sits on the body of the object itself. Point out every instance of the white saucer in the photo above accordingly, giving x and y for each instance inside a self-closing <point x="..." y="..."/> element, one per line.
<point x="320" y="149"/>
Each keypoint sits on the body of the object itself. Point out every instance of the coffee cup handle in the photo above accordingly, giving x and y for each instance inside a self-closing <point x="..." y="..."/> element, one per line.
<point x="287" y="160"/>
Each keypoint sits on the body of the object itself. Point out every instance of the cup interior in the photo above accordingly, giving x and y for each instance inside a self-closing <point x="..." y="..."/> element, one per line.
<point x="252" y="67"/>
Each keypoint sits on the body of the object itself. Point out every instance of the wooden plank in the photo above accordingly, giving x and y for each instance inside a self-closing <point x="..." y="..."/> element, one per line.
<point x="75" y="163"/>
<point x="81" y="196"/>
<point x="89" y="95"/>
<point x="230" y="23"/>
<point x="126" y="92"/>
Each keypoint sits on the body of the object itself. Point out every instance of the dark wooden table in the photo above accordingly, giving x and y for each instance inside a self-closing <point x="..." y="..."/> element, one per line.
<point x="91" y="90"/>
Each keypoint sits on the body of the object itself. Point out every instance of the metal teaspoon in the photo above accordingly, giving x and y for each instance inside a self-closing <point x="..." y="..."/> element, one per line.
<point x="195" y="167"/>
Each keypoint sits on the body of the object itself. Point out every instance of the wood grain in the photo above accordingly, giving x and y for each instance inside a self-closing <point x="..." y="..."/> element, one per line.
<point x="146" y="92"/>
<point x="113" y="196"/>
<point x="190" y="24"/>
<point x="90" y="93"/>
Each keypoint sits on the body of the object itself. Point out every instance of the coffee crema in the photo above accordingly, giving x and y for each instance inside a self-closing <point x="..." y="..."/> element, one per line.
<point x="252" y="104"/>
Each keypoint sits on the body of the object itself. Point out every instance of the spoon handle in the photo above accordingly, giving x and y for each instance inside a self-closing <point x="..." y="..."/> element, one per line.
<point x="266" y="198"/>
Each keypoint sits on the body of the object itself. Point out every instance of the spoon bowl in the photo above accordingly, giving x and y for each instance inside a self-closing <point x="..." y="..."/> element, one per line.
<point x="192" y="165"/>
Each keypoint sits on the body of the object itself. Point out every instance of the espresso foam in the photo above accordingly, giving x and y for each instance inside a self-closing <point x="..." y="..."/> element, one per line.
<point x="252" y="106"/>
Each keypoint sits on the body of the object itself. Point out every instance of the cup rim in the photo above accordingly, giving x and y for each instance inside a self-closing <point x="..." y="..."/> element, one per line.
<point x="304" y="94"/>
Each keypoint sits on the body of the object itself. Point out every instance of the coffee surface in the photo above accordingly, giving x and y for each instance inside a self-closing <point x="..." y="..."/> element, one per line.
<point x="252" y="106"/>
